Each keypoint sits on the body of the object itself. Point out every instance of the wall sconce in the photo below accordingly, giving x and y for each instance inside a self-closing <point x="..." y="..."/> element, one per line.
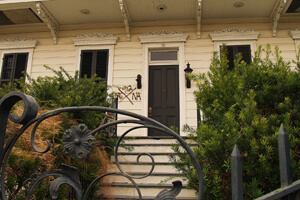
<point x="187" y="71"/>
<point x="139" y="81"/>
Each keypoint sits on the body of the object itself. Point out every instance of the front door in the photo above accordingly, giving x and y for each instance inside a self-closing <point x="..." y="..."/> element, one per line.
<point x="163" y="97"/>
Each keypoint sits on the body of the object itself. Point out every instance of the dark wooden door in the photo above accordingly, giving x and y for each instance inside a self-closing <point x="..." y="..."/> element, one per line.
<point x="163" y="97"/>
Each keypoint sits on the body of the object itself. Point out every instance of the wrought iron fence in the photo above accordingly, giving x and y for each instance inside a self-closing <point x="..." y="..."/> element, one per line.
<point x="78" y="142"/>
<point x="289" y="190"/>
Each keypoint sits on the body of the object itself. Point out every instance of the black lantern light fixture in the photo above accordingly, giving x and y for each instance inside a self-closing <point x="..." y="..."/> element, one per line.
<point x="139" y="81"/>
<point x="187" y="71"/>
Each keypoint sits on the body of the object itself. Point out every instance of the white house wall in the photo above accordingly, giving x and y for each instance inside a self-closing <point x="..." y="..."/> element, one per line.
<point x="128" y="55"/>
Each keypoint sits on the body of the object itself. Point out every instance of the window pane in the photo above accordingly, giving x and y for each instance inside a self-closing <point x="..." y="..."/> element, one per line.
<point x="163" y="55"/>
<point x="86" y="64"/>
<point x="21" y="65"/>
<point x="233" y="50"/>
<point x="101" y="66"/>
<point x="246" y="52"/>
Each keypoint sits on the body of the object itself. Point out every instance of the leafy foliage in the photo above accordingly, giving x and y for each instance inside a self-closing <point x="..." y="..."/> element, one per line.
<point x="244" y="106"/>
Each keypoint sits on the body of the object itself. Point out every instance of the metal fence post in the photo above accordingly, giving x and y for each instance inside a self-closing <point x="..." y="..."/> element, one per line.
<point x="284" y="159"/>
<point x="236" y="174"/>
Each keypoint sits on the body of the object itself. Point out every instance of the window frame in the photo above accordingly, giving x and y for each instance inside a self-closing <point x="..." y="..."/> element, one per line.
<point x="235" y="36"/>
<point x="235" y="52"/>
<point x="16" y="51"/>
<point x="253" y="47"/>
<point x="13" y="73"/>
<point x="94" y="59"/>
<point x="110" y="65"/>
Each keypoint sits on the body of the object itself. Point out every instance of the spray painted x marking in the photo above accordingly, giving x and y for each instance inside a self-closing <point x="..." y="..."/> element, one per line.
<point x="126" y="95"/>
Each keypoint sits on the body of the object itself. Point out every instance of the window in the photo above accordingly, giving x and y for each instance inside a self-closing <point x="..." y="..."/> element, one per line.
<point x="237" y="40"/>
<point x="234" y="50"/>
<point x="14" y="66"/>
<point x="163" y="55"/>
<point x="94" y="62"/>
<point x="96" y="42"/>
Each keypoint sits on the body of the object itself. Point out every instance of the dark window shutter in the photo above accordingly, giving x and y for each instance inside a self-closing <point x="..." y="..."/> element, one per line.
<point x="246" y="52"/>
<point x="21" y="64"/>
<point x="94" y="62"/>
<point x="7" y="68"/>
<point x="86" y="64"/>
<point x="233" y="50"/>
<point x="13" y="67"/>
<point x="101" y="66"/>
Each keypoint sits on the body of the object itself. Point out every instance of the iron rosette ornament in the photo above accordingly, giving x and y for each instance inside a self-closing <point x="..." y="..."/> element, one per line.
<point x="77" y="143"/>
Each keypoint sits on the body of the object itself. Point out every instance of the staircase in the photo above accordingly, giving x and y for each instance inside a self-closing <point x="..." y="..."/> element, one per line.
<point x="122" y="188"/>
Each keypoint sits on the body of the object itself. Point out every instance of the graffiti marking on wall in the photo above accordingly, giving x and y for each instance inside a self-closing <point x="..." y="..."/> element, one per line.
<point x="126" y="92"/>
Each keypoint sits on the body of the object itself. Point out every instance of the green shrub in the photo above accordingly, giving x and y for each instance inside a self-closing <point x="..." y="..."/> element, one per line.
<point x="63" y="90"/>
<point x="244" y="106"/>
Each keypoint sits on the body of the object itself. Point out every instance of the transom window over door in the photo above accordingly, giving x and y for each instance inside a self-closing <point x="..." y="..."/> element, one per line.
<point x="94" y="62"/>
<point x="14" y="66"/>
<point x="163" y="55"/>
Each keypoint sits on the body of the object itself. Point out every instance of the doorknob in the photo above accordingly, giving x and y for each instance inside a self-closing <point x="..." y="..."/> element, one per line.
<point x="150" y="112"/>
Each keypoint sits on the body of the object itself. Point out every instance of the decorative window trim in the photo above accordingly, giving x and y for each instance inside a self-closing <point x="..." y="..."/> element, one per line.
<point x="163" y="36"/>
<point x="95" y="39"/>
<point x="29" y="59"/>
<point x="235" y="36"/>
<point x="18" y="43"/>
<point x="230" y="34"/>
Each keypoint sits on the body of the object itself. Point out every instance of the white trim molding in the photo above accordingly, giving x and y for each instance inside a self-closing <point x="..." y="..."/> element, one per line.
<point x="18" y="50"/>
<point x="235" y="36"/>
<point x="234" y="33"/>
<point x="95" y="39"/>
<point x="179" y="46"/>
<point x="110" y="67"/>
<point x="163" y="36"/>
<point x="18" y="43"/>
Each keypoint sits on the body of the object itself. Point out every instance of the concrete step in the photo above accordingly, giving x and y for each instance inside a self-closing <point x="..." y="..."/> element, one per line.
<point x="147" y="149"/>
<point x="143" y="168"/>
<point x="163" y="175"/>
<point x="150" y="191"/>
<point x="167" y="179"/>
<point x="133" y="158"/>
<point x="153" y="141"/>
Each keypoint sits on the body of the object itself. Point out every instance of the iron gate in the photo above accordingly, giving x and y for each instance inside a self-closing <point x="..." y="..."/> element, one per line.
<point x="78" y="142"/>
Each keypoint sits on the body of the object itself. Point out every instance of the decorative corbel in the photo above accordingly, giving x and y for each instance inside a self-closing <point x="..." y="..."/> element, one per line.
<point x="47" y="18"/>
<point x="199" y="7"/>
<point x="276" y="15"/>
<point x="125" y="17"/>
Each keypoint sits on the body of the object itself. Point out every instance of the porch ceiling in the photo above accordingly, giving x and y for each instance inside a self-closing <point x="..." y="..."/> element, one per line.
<point x="127" y="12"/>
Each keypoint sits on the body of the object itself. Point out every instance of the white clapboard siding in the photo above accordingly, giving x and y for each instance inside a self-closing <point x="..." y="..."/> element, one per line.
<point x="128" y="55"/>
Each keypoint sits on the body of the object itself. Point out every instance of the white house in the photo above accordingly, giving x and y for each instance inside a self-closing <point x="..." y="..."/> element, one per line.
<point x="150" y="40"/>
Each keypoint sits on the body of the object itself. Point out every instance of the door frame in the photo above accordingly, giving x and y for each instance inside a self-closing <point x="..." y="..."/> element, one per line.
<point x="145" y="80"/>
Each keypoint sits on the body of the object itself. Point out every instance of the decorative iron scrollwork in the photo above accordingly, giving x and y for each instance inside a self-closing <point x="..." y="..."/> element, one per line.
<point x="78" y="142"/>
